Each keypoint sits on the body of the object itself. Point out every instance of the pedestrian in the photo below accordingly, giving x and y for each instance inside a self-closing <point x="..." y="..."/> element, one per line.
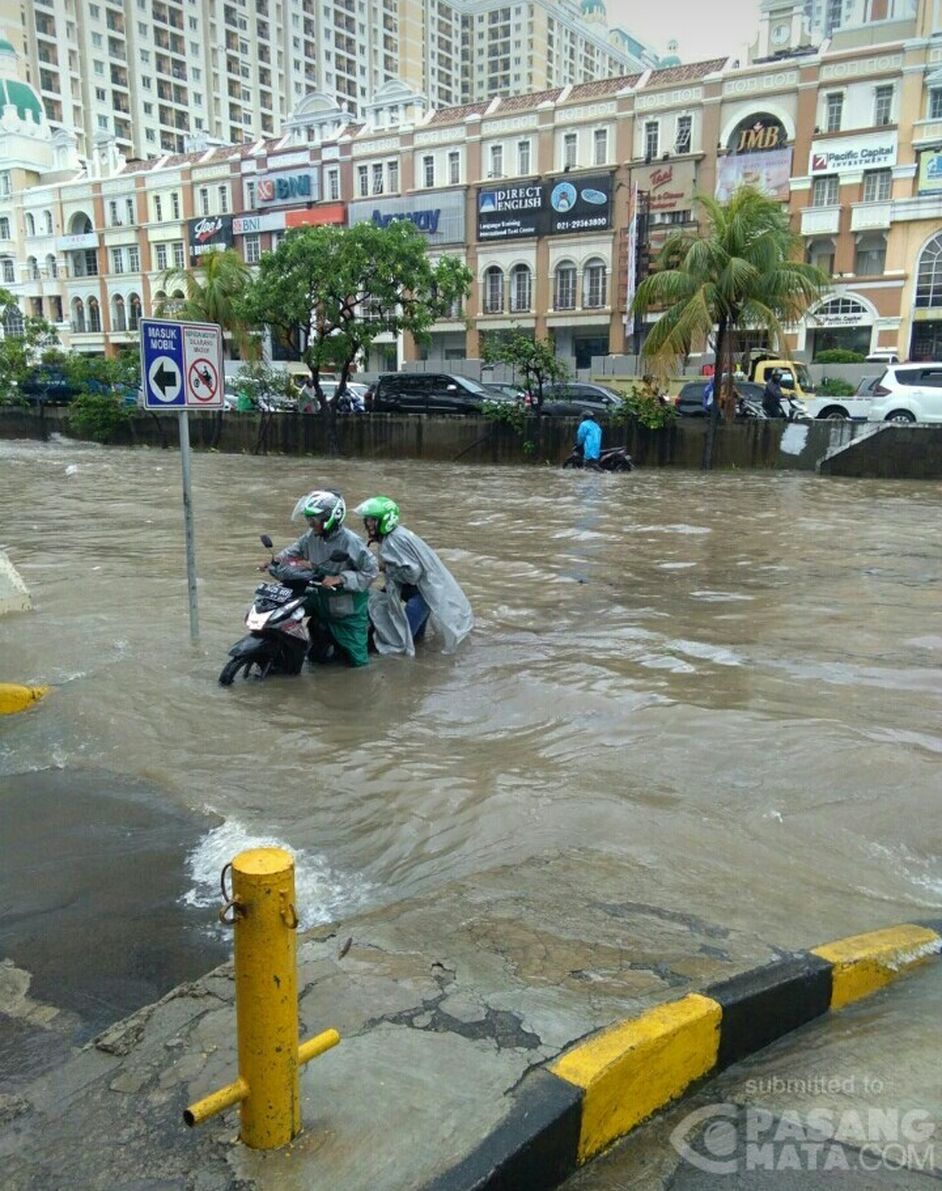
<point x="589" y="438"/>
<point x="307" y="401"/>
<point x="337" y="605"/>
<point x="709" y="390"/>
<point x="419" y="587"/>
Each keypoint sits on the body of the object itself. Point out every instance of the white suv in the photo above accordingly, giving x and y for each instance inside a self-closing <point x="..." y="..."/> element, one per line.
<point x="908" y="393"/>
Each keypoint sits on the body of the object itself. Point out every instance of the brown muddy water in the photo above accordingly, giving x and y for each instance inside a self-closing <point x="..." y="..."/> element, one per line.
<point x="736" y="678"/>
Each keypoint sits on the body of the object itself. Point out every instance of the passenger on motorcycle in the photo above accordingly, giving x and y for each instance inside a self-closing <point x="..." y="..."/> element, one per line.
<point x="418" y="585"/>
<point x="772" y="396"/>
<point x="345" y="568"/>
<point x="589" y="437"/>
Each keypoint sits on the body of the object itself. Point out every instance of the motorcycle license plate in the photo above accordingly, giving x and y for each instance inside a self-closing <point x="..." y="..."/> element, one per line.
<point x="275" y="592"/>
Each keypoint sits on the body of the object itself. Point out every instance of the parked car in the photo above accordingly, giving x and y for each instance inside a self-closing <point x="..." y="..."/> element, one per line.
<point x="908" y="393"/>
<point x="49" y="386"/>
<point x="501" y="392"/>
<point x="866" y="385"/>
<point x="427" y="393"/>
<point x="883" y="357"/>
<point x="689" y="402"/>
<point x="572" y="398"/>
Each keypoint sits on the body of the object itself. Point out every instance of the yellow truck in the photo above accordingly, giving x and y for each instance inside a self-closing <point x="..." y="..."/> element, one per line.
<point x="795" y="379"/>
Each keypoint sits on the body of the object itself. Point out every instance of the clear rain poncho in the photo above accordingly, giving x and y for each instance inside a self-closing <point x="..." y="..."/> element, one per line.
<point x="410" y="562"/>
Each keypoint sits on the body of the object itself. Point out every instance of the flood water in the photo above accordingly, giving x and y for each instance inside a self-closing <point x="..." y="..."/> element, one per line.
<point x="735" y="679"/>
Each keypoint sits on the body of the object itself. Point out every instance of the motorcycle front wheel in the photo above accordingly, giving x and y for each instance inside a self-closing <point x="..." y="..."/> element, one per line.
<point x="231" y="670"/>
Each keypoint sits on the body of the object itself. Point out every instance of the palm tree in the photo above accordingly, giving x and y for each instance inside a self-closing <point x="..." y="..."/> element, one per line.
<point x="211" y="294"/>
<point x="741" y="274"/>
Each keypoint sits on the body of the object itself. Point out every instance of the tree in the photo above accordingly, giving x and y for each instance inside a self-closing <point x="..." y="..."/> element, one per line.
<point x="212" y="294"/>
<point x="535" y="360"/>
<point x="741" y="274"/>
<point x="330" y="292"/>
<point x="26" y="342"/>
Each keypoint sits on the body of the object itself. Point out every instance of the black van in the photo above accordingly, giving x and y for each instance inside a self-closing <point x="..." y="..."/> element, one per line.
<point x="427" y="393"/>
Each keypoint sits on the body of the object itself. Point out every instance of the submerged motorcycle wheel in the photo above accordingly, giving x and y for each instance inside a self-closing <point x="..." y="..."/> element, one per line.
<point x="231" y="669"/>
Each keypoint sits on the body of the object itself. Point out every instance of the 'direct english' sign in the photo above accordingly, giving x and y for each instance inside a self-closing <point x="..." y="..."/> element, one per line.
<point x="549" y="208"/>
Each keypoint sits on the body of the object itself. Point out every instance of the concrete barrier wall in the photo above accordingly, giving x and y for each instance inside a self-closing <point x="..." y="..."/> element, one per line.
<point x="756" y="445"/>
<point x="894" y="452"/>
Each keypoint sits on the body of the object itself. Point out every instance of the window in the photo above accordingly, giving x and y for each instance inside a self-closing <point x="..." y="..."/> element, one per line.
<point x="204" y="200"/>
<point x="821" y="255"/>
<point x="454" y="167"/>
<point x="118" y="317"/>
<point x="5" y="227"/>
<point x="52" y="266"/>
<point x="250" y="196"/>
<point x="94" y="315"/>
<point x="564" y="288"/>
<point x="129" y="211"/>
<point x="570" y="149"/>
<point x="252" y="250"/>
<point x="117" y="260"/>
<point x="935" y="103"/>
<point x="392" y="176"/>
<point x="158" y="209"/>
<point x="161" y="256"/>
<point x="521" y="289"/>
<point x="883" y="106"/>
<point x="877" y="185"/>
<point x="32" y="268"/>
<point x="600" y="146"/>
<point x="377" y="178"/>
<point x="134" y="259"/>
<point x="363" y="181"/>
<point x="134" y="303"/>
<point x="684" y="134"/>
<point x="593" y="285"/>
<point x="494" y="290"/>
<point x="833" y="111"/>
<point x="5" y="184"/>
<point x="652" y="139"/>
<point x="428" y="170"/>
<point x="179" y="258"/>
<point x="523" y="157"/>
<point x="496" y="159"/>
<point x="870" y="256"/>
<point x="175" y="205"/>
<point x="223" y="199"/>
<point x="78" y="316"/>
<point x="113" y="213"/>
<point x="824" y="191"/>
<point x="333" y="184"/>
<point x="101" y="94"/>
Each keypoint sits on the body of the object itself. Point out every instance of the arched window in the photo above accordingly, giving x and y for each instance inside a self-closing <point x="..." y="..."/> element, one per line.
<point x="134" y="312"/>
<point x="840" y="308"/>
<point x="119" y="320"/>
<point x="32" y="268"/>
<point x="78" y="316"/>
<point x="30" y="224"/>
<point x="593" y="284"/>
<point x="521" y="288"/>
<point x="929" y="277"/>
<point x="13" y="323"/>
<point x="52" y="266"/>
<point x="94" y="315"/>
<point x="47" y="222"/>
<point x="564" y="287"/>
<point x="80" y="224"/>
<point x="494" y="290"/>
<point x="7" y="270"/>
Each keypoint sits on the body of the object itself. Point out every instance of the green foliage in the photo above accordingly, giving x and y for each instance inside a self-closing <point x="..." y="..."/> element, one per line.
<point x="98" y="374"/>
<point x="330" y="292"/>
<point x="98" y="416"/>
<point x="212" y="294"/>
<point x="534" y="359"/>
<point x="508" y="413"/>
<point x="839" y="355"/>
<point x="644" y="404"/>
<point x="20" y="354"/>
<point x="834" y="386"/>
<point x="255" y="382"/>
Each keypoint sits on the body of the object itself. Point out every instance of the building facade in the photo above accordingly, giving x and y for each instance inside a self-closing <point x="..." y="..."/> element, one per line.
<point x="150" y="74"/>
<point x="535" y="193"/>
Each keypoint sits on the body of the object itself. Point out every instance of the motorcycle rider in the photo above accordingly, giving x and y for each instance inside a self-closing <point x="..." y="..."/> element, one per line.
<point x="418" y="585"/>
<point x="589" y="438"/>
<point x="339" y="622"/>
<point x="773" y="395"/>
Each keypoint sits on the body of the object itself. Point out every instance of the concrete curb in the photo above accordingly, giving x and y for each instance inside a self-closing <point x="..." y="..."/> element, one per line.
<point x="600" y="1089"/>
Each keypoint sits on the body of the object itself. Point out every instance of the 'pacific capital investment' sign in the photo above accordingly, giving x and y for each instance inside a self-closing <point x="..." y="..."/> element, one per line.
<point x="850" y="154"/>
<point x="545" y="209"/>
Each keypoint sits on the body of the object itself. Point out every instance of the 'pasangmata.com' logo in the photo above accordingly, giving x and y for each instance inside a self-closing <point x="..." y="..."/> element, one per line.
<point x="726" y="1139"/>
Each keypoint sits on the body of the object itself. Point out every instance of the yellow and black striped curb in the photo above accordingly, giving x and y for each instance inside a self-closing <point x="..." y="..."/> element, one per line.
<point x="599" y="1090"/>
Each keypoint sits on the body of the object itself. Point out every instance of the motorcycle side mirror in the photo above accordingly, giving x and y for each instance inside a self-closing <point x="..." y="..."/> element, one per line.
<point x="266" y="541"/>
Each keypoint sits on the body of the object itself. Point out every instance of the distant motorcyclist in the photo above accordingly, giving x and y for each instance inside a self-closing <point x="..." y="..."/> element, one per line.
<point x="589" y="438"/>
<point x="337" y="606"/>
<point x="419" y="587"/>
<point x="773" y="395"/>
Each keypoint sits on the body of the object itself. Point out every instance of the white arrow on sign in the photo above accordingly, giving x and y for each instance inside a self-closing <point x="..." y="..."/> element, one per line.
<point x="164" y="377"/>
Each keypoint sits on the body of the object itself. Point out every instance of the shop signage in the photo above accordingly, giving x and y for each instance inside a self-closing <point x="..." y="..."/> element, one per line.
<point x="272" y="189"/>
<point x="930" y="171"/>
<point x="545" y="209"/>
<point x="208" y="234"/>
<point x="669" y="185"/>
<point x="851" y="154"/>
<point x="333" y="213"/>
<point x="251" y="225"/>
<point x="83" y="240"/>
<point x="758" y="133"/>
<point x="770" y="173"/>
<point x="439" y="214"/>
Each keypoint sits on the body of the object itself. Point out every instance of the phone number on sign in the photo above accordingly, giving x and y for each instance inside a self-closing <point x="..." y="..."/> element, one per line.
<point x="581" y="225"/>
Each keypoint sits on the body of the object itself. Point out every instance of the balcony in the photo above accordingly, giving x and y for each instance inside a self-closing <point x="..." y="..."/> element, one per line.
<point x="926" y="132"/>
<point x="866" y="216"/>
<point x="820" y="221"/>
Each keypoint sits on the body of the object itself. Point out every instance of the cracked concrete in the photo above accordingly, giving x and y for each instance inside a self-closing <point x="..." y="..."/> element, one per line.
<point x="444" y="1002"/>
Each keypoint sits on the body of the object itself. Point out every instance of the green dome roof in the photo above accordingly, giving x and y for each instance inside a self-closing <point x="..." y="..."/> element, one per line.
<point x="7" y="47"/>
<point x="22" y="97"/>
<point x="590" y="7"/>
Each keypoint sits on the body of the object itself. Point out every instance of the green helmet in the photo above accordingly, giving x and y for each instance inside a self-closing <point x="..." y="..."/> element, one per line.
<point x="385" y="511"/>
<point x="322" y="504"/>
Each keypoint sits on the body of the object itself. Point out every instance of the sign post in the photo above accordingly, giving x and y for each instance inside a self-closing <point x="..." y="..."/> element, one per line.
<point x="182" y="369"/>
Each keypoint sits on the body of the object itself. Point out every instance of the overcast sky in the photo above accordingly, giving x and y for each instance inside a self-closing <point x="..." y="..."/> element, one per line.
<point x="701" y="28"/>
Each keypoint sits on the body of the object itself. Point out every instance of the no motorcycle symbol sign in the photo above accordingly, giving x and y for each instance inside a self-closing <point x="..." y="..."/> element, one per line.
<point x="203" y="381"/>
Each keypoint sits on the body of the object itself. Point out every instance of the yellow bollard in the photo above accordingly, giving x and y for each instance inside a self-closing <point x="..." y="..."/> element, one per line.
<point x="14" y="698"/>
<point x="266" y="995"/>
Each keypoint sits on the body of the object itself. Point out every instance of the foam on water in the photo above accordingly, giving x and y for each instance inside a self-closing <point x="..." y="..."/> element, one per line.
<point x="322" y="893"/>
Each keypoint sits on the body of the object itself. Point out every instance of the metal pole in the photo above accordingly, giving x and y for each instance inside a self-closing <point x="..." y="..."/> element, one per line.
<point x="188" y="526"/>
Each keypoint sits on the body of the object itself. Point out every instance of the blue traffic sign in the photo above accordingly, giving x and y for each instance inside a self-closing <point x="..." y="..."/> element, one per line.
<point x="162" y="364"/>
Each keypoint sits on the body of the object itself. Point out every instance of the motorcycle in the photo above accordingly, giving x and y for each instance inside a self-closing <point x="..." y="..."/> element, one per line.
<point x="793" y="410"/>
<point x="278" y="641"/>
<point x="611" y="459"/>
